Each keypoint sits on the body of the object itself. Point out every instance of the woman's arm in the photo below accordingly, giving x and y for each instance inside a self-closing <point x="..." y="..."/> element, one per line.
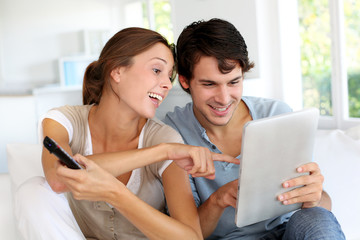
<point x="197" y="161"/>
<point x="183" y="222"/>
<point x="96" y="184"/>
<point x="180" y="200"/>
<point x="57" y="132"/>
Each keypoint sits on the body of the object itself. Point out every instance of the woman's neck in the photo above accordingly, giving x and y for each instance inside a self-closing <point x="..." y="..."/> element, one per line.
<point x="113" y="128"/>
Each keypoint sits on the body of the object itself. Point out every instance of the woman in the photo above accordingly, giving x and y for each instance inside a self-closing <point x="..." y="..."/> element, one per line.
<point x="127" y="190"/>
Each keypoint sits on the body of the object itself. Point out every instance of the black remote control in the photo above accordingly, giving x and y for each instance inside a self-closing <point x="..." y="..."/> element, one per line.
<point x="58" y="151"/>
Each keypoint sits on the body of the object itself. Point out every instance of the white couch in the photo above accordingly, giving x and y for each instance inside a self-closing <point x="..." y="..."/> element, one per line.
<point x="337" y="152"/>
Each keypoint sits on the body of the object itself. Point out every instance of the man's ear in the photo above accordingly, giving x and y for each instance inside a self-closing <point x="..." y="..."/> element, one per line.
<point x="116" y="74"/>
<point x="184" y="82"/>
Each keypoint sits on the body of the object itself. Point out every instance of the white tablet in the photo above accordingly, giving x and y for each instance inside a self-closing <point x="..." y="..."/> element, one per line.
<point x="272" y="149"/>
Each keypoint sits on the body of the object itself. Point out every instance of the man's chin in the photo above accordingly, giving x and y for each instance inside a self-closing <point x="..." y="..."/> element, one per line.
<point x="219" y="121"/>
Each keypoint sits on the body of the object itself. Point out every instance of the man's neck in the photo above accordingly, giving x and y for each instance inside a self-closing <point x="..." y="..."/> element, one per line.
<point x="240" y="117"/>
<point x="221" y="136"/>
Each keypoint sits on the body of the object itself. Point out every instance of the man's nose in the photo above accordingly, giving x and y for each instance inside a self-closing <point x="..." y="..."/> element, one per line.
<point x="222" y="95"/>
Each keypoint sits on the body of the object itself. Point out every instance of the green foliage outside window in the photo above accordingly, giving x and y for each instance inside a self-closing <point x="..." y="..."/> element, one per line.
<point x="354" y="94"/>
<point x="314" y="19"/>
<point x="162" y="18"/>
<point x="352" y="34"/>
<point x="314" y="24"/>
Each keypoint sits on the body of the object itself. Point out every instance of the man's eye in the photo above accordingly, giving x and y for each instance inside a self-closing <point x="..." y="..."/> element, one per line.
<point x="235" y="82"/>
<point x="207" y="84"/>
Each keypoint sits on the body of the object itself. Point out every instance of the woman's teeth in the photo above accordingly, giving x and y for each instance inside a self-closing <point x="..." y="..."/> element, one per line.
<point x="154" y="95"/>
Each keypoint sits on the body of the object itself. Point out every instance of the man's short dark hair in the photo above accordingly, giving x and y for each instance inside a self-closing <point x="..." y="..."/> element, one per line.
<point x="214" y="38"/>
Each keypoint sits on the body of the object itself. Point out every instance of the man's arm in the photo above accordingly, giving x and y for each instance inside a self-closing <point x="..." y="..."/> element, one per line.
<point x="211" y="210"/>
<point x="325" y="201"/>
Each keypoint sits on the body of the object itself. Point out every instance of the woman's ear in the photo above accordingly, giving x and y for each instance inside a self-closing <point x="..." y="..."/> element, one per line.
<point x="116" y="74"/>
<point x="184" y="82"/>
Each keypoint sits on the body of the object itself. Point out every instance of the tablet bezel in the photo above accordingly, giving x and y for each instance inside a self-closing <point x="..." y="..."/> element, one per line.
<point x="278" y="144"/>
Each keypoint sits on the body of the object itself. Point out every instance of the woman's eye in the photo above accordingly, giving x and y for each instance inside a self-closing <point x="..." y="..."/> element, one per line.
<point x="156" y="71"/>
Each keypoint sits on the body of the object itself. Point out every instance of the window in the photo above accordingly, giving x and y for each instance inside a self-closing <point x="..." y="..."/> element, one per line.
<point x="352" y="36"/>
<point x="316" y="55"/>
<point x="330" y="59"/>
<point x="151" y="14"/>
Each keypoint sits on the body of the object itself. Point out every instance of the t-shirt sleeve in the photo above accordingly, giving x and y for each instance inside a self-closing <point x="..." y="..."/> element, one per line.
<point x="162" y="134"/>
<point x="59" y="117"/>
<point x="170" y="136"/>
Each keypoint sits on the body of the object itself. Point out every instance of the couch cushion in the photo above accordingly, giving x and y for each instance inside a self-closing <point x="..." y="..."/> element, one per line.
<point x="24" y="162"/>
<point x="338" y="154"/>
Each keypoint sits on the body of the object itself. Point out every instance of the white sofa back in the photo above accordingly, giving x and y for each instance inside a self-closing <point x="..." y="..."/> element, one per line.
<point x="338" y="154"/>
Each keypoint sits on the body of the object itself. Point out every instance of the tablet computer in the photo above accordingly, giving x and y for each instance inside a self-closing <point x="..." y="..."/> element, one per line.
<point x="272" y="149"/>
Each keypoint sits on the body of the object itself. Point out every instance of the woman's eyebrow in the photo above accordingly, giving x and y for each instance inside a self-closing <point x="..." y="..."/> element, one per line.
<point x="159" y="58"/>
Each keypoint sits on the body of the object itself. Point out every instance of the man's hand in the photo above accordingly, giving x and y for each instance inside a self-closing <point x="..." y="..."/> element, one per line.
<point x="212" y="209"/>
<point x="226" y="195"/>
<point x="312" y="187"/>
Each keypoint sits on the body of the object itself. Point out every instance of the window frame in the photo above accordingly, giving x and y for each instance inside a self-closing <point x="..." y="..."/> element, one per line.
<point x="339" y="81"/>
<point x="149" y="11"/>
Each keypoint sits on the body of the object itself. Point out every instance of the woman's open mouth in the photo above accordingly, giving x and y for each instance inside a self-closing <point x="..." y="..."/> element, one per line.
<point x="155" y="98"/>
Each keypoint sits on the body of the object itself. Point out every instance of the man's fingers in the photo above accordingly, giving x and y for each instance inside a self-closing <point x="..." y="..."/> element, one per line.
<point x="310" y="200"/>
<point x="226" y="195"/>
<point x="312" y="168"/>
<point x="310" y="194"/>
<point x="304" y="180"/>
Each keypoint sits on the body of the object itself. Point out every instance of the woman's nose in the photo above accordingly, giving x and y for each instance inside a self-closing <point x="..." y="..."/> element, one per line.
<point x="166" y="83"/>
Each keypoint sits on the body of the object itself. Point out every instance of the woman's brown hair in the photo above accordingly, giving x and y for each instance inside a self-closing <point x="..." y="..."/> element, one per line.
<point x="118" y="51"/>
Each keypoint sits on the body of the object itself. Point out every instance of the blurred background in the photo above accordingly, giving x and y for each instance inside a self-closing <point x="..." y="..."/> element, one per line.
<point x="306" y="53"/>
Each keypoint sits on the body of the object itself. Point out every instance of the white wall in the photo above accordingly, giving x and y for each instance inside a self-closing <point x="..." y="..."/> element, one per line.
<point x="17" y="124"/>
<point x="241" y="13"/>
<point x="34" y="34"/>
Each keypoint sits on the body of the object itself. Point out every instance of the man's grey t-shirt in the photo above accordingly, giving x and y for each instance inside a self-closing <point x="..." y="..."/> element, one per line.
<point x="184" y="121"/>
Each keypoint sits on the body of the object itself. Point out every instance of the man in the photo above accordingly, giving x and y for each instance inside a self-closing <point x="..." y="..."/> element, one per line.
<point x="212" y="61"/>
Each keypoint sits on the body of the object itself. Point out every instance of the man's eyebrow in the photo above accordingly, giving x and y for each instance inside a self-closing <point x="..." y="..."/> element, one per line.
<point x="212" y="81"/>
<point x="237" y="78"/>
<point x="207" y="81"/>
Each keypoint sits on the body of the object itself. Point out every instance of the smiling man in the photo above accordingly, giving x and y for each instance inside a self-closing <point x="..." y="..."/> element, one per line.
<point x="212" y="61"/>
